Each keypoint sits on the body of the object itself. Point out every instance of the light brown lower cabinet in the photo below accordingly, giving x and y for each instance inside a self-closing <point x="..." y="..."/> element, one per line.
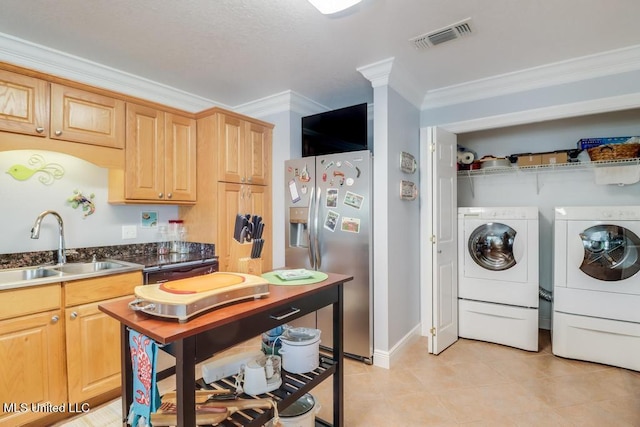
<point x="93" y="351"/>
<point x="32" y="353"/>
<point x="92" y="337"/>
<point x="57" y="348"/>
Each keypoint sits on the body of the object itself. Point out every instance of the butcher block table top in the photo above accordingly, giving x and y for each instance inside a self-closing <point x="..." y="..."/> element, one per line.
<point x="165" y="331"/>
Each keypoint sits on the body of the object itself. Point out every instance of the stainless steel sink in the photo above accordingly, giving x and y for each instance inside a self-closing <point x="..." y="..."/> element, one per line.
<point x="88" y="267"/>
<point x="30" y="276"/>
<point x="20" y="274"/>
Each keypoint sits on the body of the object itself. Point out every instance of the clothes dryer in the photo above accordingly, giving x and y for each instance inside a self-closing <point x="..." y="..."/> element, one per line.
<point x="597" y="284"/>
<point x="498" y="275"/>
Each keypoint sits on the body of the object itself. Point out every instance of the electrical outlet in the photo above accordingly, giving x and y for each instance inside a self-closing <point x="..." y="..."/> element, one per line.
<point x="129" y="232"/>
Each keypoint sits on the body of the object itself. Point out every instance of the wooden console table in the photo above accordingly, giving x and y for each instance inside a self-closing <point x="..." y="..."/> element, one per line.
<point x="203" y="336"/>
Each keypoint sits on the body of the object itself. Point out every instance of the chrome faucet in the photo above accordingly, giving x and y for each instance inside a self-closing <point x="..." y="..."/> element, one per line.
<point x="35" y="233"/>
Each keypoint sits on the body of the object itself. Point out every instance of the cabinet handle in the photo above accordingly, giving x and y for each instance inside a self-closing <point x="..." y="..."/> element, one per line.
<point x="55" y="319"/>
<point x="74" y="315"/>
<point x="160" y="195"/>
<point x="249" y="180"/>
<point x="242" y="192"/>
<point x="169" y="195"/>
<point x="248" y="193"/>
<point x="242" y="179"/>
<point x="280" y="316"/>
<point x="39" y="129"/>
<point x="58" y="132"/>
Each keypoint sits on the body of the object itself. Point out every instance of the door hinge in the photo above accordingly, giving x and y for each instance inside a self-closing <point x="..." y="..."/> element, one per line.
<point x="433" y="332"/>
<point x="432" y="239"/>
<point x="433" y="147"/>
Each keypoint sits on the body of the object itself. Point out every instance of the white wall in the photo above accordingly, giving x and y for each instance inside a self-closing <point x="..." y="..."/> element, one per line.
<point x="568" y="188"/>
<point x="287" y="144"/>
<point x="22" y="201"/>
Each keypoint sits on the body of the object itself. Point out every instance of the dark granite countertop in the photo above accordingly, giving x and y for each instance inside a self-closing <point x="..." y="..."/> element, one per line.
<point x="143" y="253"/>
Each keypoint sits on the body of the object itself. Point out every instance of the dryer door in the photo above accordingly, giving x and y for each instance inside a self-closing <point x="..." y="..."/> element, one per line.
<point x="496" y="250"/>
<point x="610" y="252"/>
<point x="491" y="246"/>
<point x="604" y="257"/>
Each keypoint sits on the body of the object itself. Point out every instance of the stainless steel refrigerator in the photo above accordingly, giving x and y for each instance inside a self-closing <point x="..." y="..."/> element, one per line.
<point x="329" y="228"/>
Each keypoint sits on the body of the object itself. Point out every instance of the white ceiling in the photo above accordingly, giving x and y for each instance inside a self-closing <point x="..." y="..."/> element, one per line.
<point x="236" y="51"/>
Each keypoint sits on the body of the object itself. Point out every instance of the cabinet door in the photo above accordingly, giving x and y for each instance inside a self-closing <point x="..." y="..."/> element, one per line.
<point x="180" y="158"/>
<point x="80" y="116"/>
<point x="24" y="104"/>
<point x="32" y="368"/>
<point x="236" y="199"/>
<point x="144" y="162"/>
<point x="231" y="160"/>
<point x="93" y="351"/>
<point x="229" y="205"/>
<point x="256" y="199"/>
<point x="257" y="154"/>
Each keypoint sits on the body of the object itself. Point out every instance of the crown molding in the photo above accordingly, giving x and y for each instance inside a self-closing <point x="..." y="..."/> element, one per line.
<point x="377" y="73"/>
<point x="574" y="109"/>
<point x="563" y="72"/>
<point x="287" y="101"/>
<point x="40" y="58"/>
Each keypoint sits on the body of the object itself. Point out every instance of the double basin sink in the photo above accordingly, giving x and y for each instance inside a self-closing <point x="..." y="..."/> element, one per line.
<point x="28" y="276"/>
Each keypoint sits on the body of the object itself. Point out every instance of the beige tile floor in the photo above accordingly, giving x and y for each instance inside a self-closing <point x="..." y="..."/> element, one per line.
<point x="472" y="383"/>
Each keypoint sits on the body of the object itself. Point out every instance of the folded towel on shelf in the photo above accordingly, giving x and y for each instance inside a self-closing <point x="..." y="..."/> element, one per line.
<point x="146" y="398"/>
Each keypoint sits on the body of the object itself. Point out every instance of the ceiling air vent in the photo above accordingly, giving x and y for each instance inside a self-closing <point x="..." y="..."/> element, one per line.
<point x="443" y="35"/>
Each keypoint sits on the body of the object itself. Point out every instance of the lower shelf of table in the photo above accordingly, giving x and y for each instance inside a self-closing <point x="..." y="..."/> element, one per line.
<point x="293" y="387"/>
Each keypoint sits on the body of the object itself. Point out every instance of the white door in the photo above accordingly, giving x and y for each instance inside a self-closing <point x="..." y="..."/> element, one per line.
<point x="439" y="238"/>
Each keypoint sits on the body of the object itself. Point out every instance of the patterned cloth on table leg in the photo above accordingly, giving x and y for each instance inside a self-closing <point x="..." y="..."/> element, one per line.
<point x="146" y="398"/>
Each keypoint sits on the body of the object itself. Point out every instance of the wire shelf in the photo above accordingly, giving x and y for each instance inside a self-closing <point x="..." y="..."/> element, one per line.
<point x="560" y="167"/>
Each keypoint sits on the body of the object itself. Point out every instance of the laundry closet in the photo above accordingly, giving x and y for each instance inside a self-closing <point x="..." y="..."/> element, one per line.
<point x="546" y="188"/>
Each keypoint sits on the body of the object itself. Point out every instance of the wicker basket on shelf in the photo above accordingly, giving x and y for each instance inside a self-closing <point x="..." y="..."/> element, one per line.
<point x="614" y="152"/>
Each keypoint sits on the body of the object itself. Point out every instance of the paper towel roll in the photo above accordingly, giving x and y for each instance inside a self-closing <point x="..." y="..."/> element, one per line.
<point x="465" y="157"/>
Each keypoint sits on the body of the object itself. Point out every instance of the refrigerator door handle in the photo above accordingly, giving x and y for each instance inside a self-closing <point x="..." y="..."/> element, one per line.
<point x="317" y="231"/>
<point x="309" y="234"/>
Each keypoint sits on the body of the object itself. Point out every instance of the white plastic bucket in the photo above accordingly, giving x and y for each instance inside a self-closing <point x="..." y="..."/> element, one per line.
<point x="300" y="350"/>
<point x="302" y="413"/>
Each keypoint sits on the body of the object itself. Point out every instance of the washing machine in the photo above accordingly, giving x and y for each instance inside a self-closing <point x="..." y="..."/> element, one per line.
<point x="596" y="273"/>
<point x="498" y="275"/>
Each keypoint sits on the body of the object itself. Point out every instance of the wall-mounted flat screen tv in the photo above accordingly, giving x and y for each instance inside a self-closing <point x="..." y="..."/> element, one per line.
<point x="335" y="131"/>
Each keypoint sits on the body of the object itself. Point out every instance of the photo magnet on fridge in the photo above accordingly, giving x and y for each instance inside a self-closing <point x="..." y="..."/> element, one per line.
<point x="331" y="220"/>
<point x="354" y="200"/>
<point x="350" y="225"/>
<point x="293" y="190"/>
<point x="332" y="197"/>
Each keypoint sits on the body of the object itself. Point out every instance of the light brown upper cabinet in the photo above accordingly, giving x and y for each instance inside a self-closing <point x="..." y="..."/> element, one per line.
<point x="81" y="116"/>
<point x="160" y="163"/>
<point x="24" y="104"/>
<point x="243" y="151"/>
<point x="234" y="176"/>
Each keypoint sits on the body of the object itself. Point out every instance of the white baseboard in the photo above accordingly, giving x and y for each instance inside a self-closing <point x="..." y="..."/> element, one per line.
<point x="385" y="359"/>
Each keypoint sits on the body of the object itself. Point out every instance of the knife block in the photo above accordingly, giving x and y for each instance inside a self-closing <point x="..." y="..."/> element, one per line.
<point x="240" y="259"/>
